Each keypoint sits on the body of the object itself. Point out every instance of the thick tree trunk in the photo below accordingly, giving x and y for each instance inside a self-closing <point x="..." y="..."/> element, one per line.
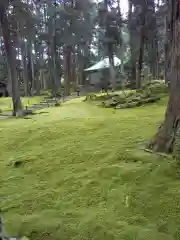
<point x="17" y="106"/>
<point x="166" y="136"/>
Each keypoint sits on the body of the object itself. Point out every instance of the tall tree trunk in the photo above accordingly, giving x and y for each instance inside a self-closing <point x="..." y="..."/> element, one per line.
<point x="52" y="52"/>
<point x="31" y="66"/>
<point x="80" y="66"/>
<point x="17" y="106"/>
<point x="167" y="44"/>
<point x="110" y="47"/>
<point x="140" y="58"/>
<point x="84" y="61"/>
<point x="37" y="83"/>
<point x="9" y="82"/>
<point x="67" y="69"/>
<point x="133" y="51"/>
<point x="153" y="38"/>
<point x="24" y="70"/>
<point x="141" y="47"/>
<point x="111" y="66"/>
<point x="73" y="68"/>
<point x="154" y="68"/>
<point x="166" y="57"/>
<point x="164" y="140"/>
<point x="41" y="77"/>
<point x="56" y="83"/>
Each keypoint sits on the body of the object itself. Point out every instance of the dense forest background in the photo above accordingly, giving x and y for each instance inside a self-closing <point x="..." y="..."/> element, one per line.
<point x="48" y="44"/>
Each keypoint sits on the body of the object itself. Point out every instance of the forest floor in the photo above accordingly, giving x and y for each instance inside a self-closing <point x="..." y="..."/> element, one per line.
<point x="78" y="172"/>
<point x="6" y="103"/>
<point x="31" y="103"/>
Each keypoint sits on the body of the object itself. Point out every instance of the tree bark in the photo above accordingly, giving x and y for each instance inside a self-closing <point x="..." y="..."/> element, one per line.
<point x="52" y="51"/>
<point x="166" y="136"/>
<point x="55" y="63"/>
<point x="17" y="106"/>
<point x="30" y="67"/>
<point x="25" y="70"/>
<point x="133" y="51"/>
<point x="153" y="40"/>
<point x="140" y="58"/>
<point x="141" y="46"/>
<point x="111" y="66"/>
<point x="167" y="45"/>
<point x="67" y="69"/>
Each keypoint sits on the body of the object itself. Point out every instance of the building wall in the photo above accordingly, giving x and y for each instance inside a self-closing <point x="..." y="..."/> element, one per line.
<point x="94" y="78"/>
<point x="99" y="77"/>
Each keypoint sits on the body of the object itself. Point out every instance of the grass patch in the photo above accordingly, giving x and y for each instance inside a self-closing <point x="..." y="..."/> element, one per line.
<point x="6" y="103"/>
<point x="78" y="173"/>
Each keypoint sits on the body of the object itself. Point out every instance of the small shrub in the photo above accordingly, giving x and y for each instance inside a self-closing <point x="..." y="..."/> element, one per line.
<point x="102" y="97"/>
<point x="136" y="102"/>
<point x="90" y="97"/>
<point x="156" y="87"/>
<point x="57" y="104"/>
<point x="110" y="103"/>
<point x="45" y="93"/>
<point x="139" y="90"/>
<point x="150" y="100"/>
<point x="121" y="98"/>
<point x="132" y="104"/>
<point x="131" y="93"/>
<point x="149" y="93"/>
<point x="134" y="99"/>
<point x="103" y="104"/>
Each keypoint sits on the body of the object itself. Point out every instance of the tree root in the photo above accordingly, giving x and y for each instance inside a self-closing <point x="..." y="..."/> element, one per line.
<point x="157" y="153"/>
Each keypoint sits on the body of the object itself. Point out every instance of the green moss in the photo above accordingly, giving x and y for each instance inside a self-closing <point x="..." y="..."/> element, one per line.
<point x="128" y="99"/>
<point x="6" y="103"/>
<point x="82" y="175"/>
<point x="157" y="87"/>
